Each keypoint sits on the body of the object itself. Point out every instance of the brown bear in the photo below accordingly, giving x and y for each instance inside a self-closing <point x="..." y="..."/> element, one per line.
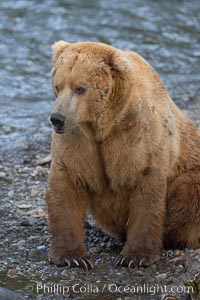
<point x="122" y="150"/>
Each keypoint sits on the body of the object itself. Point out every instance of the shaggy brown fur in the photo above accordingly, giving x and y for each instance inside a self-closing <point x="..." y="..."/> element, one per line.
<point x="122" y="150"/>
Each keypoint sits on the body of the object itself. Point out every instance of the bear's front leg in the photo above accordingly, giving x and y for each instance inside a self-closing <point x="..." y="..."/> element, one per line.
<point x="66" y="213"/>
<point x="145" y="224"/>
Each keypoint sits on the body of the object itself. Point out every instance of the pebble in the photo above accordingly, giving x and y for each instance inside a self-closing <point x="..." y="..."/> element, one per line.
<point x="34" y="192"/>
<point x="2" y="175"/>
<point x="93" y="249"/>
<point x="139" y="273"/>
<point x="23" y="170"/>
<point x="35" y="238"/>
<point x="176" y="252"/>
<point x="154" y="267"/>
<point x="161" y="276"/>
<point x="12" y="272"/>
<point x="21" y="243"/>
<point x="24" y="206"/>
<point x="170" y="253"/>
<point x="31" y="221"/>
<point x="65" y="273"/>
<point x="180" y="268"/>
<point x="10" y="194"/>
<point x="34" y="253"/>
<point x="42" y="247"/>
<point x="6" y="294"/>
<point x="110" y="272"/>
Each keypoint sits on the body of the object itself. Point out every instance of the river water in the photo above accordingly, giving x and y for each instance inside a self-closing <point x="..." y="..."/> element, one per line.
<point x="166" y="33"/>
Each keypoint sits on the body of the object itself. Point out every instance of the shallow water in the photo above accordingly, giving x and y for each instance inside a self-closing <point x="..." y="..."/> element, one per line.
<point x="166" y="33"/>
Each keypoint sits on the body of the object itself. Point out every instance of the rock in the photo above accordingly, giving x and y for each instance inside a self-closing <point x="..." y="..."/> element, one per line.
<point x="32" y="221"/>
<point x="41" y="247"/>
<point x="43" y="160"/>
<point x="12" y="272"/>
<point x="139" y="273"/>
<point x="38" y="254"/>
<point x="197" y="251"/>
<point x="176" y="252"/>
<point x="23" y="206"/>
<point x="65" y="273"/>
<point x="34" y="192"/>
<point x="161" y="276"/>
<point x="34" y="238"/>
<point x="23" y="170"/>
<point x="38" y="170"/>
<point x="6" y="294"/>
<point x="10" y="194"/>
<point x="34" y="254"/>
<point x="109" y="244"/>
<point x="2" y="175"/>
<point x="110" y="272"/>
<point x="170" y="253"/>
<point x="180" y="268"/>
<point x="93" y="250"/>
<point x="154" y="267"/>
<point x="194" y="287"/>
<point x="21" y="244"/>
<point x="29" y="221"/>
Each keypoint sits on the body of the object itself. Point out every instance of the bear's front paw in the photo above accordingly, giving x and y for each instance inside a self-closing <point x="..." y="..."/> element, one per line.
<point x="73" y="262"/>
<point x="135" y="261"/>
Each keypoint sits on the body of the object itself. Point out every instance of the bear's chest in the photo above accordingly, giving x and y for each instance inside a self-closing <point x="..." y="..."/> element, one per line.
<point x="82" y="161"/>
<point x="113" y="163"/>
<point x="121" y="164"/>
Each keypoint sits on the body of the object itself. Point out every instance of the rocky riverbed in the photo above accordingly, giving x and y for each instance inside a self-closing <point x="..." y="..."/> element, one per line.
<point x="24" y="235"/>
<point x="166" y="34"/>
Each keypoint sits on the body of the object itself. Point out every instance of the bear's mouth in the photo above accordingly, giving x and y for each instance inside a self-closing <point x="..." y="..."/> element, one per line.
<point x="59" y="131"/>
<point x="63" y="130"/>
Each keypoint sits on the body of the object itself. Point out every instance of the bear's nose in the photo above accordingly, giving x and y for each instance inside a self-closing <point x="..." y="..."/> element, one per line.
<point x="57" y="120"/>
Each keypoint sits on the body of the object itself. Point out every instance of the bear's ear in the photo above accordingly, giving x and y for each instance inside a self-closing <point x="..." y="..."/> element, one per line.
<point x="58" y="48"/>
<point x="119" y="62"/>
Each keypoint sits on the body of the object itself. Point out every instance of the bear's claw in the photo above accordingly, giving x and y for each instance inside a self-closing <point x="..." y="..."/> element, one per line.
<point x="133" y="261"/>
<point x="84" y="263"/>
<point x="125" y="261"/>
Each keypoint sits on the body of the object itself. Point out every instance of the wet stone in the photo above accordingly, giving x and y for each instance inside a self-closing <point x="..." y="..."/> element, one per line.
<point x="21" y="244"/>
<point x="10" y="194"/>
<point x="180" y="268"/>
<point x="34" y="254"/>
<point x="176" y="252"/>
<point x="34" y="192"/>
<point x="29" y="221"/>
<point x="3" y="175"/>
<point x="161" y="277"/>
<point x="12" y="272"/>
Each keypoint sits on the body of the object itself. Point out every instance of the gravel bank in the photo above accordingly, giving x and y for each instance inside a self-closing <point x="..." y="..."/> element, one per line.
<point x="24" y="241"/>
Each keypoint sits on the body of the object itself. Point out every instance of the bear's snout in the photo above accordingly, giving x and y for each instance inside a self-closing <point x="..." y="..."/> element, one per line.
<point x="58" y="122"/>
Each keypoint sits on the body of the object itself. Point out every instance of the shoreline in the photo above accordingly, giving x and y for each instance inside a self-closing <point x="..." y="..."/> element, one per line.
<point x="25" y="238"/>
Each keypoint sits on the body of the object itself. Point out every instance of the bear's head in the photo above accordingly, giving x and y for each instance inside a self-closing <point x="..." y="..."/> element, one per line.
<point x="91" y="83"/>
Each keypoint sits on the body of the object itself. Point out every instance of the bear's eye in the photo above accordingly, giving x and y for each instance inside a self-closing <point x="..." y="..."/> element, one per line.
<point x="79" y="90"/>
<point x="57" y="88"/>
